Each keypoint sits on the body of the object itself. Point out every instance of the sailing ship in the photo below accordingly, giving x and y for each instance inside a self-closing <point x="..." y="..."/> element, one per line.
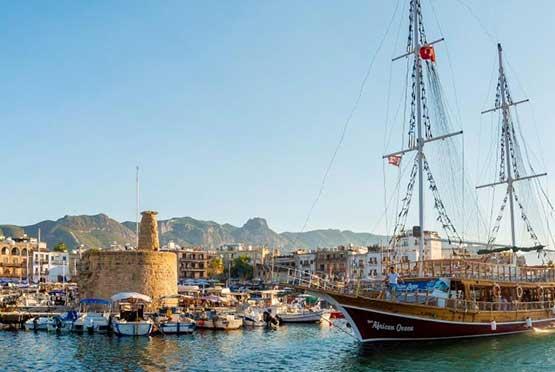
<point x="459" y="297"/>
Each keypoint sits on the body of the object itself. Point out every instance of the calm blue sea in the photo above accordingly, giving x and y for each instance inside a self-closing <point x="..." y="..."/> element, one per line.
<point x="291" y="348"/>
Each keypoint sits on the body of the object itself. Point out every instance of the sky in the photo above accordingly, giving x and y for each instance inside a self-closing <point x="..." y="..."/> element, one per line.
<point x="233" y="109"/>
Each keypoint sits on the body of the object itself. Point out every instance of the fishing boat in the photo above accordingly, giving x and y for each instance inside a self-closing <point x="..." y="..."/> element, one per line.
<point x="459" y="297"/>
<point x="94" y="316"/>
<point x="131" y="320"/>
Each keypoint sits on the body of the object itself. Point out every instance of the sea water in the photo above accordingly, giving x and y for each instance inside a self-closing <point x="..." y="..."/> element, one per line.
<point x="291" y="348"/>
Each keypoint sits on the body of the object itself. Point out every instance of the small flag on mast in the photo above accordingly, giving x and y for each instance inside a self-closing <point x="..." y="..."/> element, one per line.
<point x="394" y="160"/>
<point x="428" y="52"/>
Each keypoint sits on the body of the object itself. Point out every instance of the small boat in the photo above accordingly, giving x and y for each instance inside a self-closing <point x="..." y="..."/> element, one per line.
<point x="205" y="319"/>
<point x="94" y="316"/>
<point x="227" y="322"/>
<point x="171" y="320"/>
<point x="254" y="317"/>
<point x="62" y="323"/>
<point x="38" y="323"/>
<point x="302" y="316"/>
<point x="131" y="320"/>
<point x="176" y="324"/>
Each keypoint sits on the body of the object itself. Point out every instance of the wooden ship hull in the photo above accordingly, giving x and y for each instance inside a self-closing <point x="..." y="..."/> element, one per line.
<point x="377" y="321"/>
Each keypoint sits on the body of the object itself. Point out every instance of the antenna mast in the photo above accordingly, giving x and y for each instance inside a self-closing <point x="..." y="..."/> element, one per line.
<point x="137" y="212"/>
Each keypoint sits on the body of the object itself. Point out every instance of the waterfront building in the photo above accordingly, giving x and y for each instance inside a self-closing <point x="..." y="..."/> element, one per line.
<point x="332" y="263"/>
<point x="193" y="263"/>
<point x="407" y="246"/>
<point x="52" y="267"/>
<point x="16" y="255"/>
<point x="305" y="261"/>
<point x="229" y="252"/>
<point x="257" y="256"/>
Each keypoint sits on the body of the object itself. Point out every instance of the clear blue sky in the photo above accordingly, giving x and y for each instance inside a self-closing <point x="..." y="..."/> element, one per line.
<point x="232" y="109"/>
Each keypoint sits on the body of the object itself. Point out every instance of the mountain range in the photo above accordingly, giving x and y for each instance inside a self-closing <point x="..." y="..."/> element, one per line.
<point x="100" y="231"/>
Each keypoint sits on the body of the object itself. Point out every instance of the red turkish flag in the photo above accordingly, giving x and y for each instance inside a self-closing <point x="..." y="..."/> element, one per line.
<point x="427" y="52"/>
<point x="394" y="160"/>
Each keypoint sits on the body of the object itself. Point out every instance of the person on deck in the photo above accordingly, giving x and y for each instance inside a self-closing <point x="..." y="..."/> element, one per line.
<point x="392" y="280"/>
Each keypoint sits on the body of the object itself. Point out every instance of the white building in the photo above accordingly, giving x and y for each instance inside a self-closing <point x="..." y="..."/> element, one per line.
<point x="408" y="247"/>
<point x="377" y="260"/>
<point x="51" y="267"/>
<point x="229" y="252"/>
<point x="305" y="262"/>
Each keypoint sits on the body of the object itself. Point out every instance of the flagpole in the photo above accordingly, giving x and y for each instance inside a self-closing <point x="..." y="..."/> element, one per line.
<point x="137" y="211"/>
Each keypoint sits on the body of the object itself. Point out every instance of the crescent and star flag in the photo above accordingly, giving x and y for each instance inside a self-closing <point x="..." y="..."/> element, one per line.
<point x="428" y="52"/>
<point x="394" y="160"/>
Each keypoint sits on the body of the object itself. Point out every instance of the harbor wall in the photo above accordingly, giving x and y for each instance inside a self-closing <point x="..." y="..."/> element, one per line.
<point x="103" y="274"/>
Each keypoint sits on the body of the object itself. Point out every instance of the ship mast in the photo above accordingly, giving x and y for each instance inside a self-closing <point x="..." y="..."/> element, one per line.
<point x="420" y="140"/>
<point x="509" y="172"/>
<point x="505" y="110"/>
<point x="419" y="42"/>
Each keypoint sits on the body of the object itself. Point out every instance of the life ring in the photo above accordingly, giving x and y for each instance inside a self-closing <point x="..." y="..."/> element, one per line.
<point x="496" y="290"/>
<point x="519" y="292"/>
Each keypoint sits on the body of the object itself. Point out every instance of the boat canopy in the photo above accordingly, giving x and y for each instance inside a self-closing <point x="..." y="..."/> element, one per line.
<point x="94" y="301"/>
<point x="130" y="295"/>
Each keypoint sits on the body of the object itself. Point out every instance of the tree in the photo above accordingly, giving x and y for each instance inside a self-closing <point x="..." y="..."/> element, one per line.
<point x="215" y="267"/>
<point x="241" y="268"/>
<point x="60" y="247"/>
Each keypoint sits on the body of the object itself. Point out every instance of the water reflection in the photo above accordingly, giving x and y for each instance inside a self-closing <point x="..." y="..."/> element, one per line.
<point x="297" y="347"/>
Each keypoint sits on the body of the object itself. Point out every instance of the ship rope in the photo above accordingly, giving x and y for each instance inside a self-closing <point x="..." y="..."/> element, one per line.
<point x="496" y="226"/>
<point x="443" y="218"/>
<point x="509" y="138"/>
<point x="405" y="206"/>
<point x="348" y="121"/>
<point x="431" y="103"/>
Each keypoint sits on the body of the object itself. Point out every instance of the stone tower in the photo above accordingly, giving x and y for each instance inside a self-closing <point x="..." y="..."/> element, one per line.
<point x="148" y="232"/>
<point x="146" y="270"/>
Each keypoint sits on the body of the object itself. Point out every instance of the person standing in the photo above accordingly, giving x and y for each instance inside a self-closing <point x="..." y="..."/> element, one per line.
<point x="392" y="280"/>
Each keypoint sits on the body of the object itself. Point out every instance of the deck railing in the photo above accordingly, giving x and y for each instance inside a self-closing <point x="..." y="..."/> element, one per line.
<point x="472" y="269"/>
<point x="378" y="289"/>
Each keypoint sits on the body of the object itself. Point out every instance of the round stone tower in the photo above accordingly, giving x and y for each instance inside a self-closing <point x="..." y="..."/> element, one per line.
<point x="145" y="270"/>
<point x="148" y="232"/>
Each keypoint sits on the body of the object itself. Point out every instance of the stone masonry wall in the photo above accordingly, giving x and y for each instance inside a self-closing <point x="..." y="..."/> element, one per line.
<point x="103" y="274"/>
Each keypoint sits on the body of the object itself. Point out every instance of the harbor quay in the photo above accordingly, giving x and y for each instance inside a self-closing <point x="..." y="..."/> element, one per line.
<point x="137" y="292"/>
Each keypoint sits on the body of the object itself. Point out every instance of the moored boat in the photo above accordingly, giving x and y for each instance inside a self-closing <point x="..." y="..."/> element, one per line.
<point x="94" y="316"/>
<point x="63" y="323"/>
<point x="131" y="320"/>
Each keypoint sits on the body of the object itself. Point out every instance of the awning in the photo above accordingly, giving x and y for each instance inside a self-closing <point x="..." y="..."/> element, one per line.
<point x="94" y="301"/>
<point x="130" y="295"/>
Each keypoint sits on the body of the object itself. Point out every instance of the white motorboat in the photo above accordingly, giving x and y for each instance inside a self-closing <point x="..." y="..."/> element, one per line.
<point x="254" y="317"/>
<point x="63" y="323"/>
<point x="176" y="324"/>
<point x="94" y="316"/>
<point x="227" y="322"/>
<point x="131" y="320"/>
<point x="301" y="316"/>
<point x="39" y="323"/>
